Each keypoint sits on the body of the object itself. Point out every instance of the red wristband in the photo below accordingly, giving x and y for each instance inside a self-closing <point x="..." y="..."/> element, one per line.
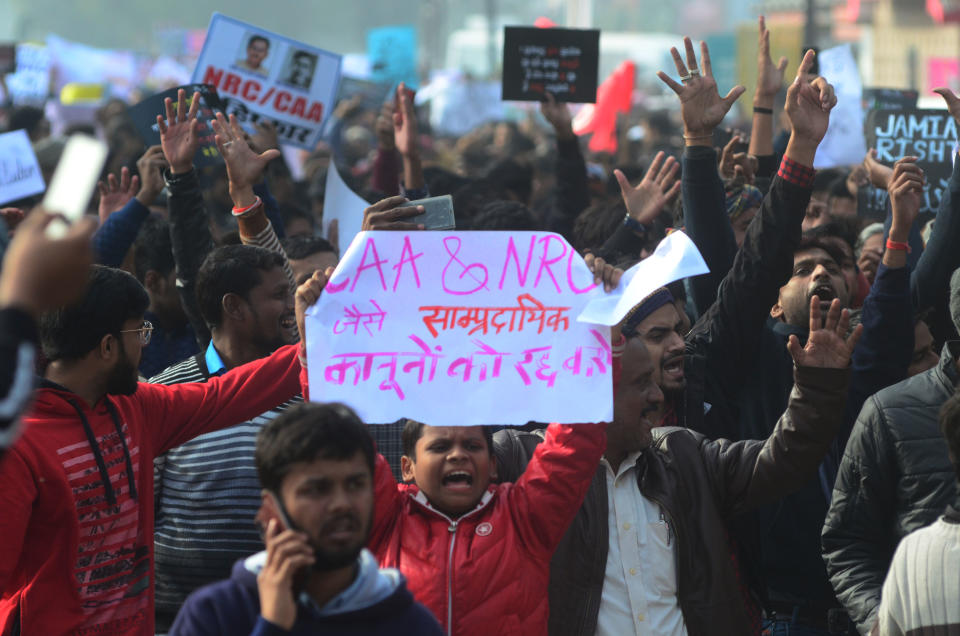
<point x="896" y="245"/>
<point x="238" y="212"/>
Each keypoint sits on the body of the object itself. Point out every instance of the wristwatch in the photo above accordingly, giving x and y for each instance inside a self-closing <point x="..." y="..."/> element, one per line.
<point x="635" y="225"/>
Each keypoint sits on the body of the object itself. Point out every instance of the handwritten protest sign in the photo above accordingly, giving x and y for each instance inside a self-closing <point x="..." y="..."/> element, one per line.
<point x="929" y="135"/>
<point x="676" y="257"/>
<point x="393" y="55"/>
<point x="144" y="116"/>
<point x="564" y="62"/>
<point x="260" y="75"/>
<point x="20" y="174"/>
<point x="460" y="329"/>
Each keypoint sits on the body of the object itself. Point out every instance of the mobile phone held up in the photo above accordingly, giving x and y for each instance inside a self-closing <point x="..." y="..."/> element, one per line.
<point x="73" y="182"/>
<point x="437" y="213"/>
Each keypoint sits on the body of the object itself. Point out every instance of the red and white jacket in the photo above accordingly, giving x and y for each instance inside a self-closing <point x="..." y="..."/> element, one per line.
<point x="76" y="506"/>
<point x="487" y="571"/>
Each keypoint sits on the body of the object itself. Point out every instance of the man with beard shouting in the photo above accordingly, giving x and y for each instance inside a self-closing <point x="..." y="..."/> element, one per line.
<point x="77" y="497"/>
<point x="315" y="464"/>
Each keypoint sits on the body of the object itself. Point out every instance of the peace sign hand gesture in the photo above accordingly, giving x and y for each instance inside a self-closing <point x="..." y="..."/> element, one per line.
<point x="701" y="107"/>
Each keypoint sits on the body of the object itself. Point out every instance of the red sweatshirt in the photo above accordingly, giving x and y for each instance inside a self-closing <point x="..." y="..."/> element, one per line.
<point x="76" y="554"/>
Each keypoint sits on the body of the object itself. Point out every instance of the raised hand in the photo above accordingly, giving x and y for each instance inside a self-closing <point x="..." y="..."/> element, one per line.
<point x="40" y="273"/>
<point x="385" y="215"/>
<point x="953" y="102"/>
<point x="769" y="76"/>
<point x="179" y="132"/>
<point x="737" y="164"/>
<point x="603" y="272"/>
<point x="306" y="296"/>
<point x="384" y="127"/>
<point x="114" y="194"/>
<point x="244" y="166"/>
<point x="558" y="114"/>
<point x="906" y="197"/>
<point x="265" y="138"/>
<point x="828" y="345"/>
<point x="701" y="107"/>
<point x="405" y="123"/>
<point x="808" y="108"/>
<point x="878" y="173"/>
<point x="151" y="166"/>
<point x="656" y="190"/>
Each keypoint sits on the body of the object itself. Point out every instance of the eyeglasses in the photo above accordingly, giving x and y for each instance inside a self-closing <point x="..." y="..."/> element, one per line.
<point x="145" y="332"/>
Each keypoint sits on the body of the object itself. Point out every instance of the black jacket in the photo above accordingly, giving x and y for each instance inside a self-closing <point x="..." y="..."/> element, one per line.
<point x="18" y="351"/>
<point x="895" y="477"/>
<point x="700" y="483"/>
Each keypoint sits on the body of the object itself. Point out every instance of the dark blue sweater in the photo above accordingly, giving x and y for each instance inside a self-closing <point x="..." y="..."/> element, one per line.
<point x="232" y="608"/>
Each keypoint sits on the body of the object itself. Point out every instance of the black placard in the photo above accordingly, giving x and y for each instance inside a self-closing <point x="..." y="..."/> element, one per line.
<point x="564" y="62"/>
<point x="144" y="116"/>
<point x="929" y="135"/>
<point x="880" y="98"/>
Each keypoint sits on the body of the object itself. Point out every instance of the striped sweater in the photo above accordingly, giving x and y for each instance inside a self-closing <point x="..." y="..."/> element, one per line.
<point x="921" y="595"/>
<point x="206" y="494"/>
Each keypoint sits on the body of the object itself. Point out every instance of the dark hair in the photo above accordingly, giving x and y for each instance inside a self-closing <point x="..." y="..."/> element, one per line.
<point x="440" y="181"/>
<point x="505" y="216"/>
<point x="820" y="242"/>
<point x="306" y="432"/>
<point x="253" y="39"/>
<point x="153" y="249"/>
<point x="839" y="189"/>
<point x="950" y="428"/>
<point x="823" y="180"/>
<point x="234" y="269"/>
<point x="303" y="54"/>
<point x="846" y="228"/>
<point x="290" y="212"/>
<point x="514" y="177"/>
<point x="413" y="431"/>
<point x="300" y="247"/>
<point x="25" y="118"/>
<point x="597" y="223"/>
<point x="113" y="297"/>
<point x="470" y="199"/>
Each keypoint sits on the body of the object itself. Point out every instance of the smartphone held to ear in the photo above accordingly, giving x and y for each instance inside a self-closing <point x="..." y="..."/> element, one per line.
<point x="73" y="182"/>
<point x="437" y="213"/>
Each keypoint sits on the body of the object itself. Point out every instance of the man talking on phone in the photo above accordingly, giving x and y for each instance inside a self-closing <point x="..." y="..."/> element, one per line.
<point x="315" y="464"/>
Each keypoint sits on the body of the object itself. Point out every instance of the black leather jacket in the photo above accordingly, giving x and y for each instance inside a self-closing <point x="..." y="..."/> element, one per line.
<point x="700" y="483"/>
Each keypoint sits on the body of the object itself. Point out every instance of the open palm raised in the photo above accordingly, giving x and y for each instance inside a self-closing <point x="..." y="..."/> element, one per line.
<point x="828" y="345"/>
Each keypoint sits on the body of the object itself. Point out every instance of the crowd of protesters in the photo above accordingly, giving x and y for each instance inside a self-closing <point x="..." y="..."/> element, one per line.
<point x="784" y="452"/>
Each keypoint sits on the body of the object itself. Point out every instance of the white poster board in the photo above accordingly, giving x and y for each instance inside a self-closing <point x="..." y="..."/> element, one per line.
<point x="264" y="76"/>
<point x="844" y="143"/>
<point x="20" y="174"/>
<point x="343" y="205"/>
<point x="460" y="329"/>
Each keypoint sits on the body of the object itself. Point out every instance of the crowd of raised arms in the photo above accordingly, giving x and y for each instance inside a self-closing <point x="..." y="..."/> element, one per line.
<point x="783" y="455"/>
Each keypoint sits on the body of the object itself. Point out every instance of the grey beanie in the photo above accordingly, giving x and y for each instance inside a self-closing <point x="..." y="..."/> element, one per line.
<point x="955" y="298"/>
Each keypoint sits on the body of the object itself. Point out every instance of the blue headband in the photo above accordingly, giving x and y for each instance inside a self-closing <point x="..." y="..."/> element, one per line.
<point x="644" y="308"/>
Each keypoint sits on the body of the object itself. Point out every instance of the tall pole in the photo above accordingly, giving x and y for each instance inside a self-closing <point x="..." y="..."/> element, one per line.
<point x="491" y="7"/>
<point x="810" y="28"/>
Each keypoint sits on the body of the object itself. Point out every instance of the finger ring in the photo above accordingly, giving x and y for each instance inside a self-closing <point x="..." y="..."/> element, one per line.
<point x="684" y="78"/>
<point x="227" y="143"/>
<point x="694" y="72"/>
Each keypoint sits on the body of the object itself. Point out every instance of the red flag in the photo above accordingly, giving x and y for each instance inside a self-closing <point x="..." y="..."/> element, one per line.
<point x="935" y="9"/>
<point x="544" y="23"/>
<point x="614" y="95"/>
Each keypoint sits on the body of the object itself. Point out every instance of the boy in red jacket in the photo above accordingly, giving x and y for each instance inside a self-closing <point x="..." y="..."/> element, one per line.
<point x="76" y="555"/>
<point x="478" y="554"/>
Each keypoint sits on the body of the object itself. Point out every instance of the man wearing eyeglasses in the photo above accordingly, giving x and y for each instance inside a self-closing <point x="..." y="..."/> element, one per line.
<point x="76" y="554"/>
